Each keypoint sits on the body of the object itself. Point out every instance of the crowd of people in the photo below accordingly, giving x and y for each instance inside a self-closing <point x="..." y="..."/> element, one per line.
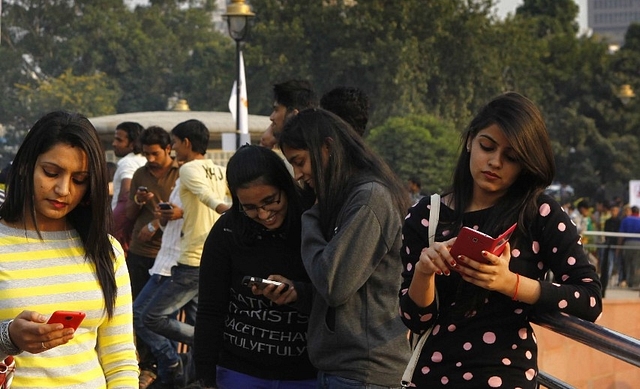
<point x="616" y="256"/>
<point x="305" y="263"/>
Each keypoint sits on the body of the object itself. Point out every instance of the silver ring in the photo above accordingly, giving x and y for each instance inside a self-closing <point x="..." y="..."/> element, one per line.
<point x="43" y="346"/>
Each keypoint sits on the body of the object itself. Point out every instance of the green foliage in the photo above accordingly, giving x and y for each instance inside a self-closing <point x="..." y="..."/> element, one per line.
<point x="555" y="16"/>
<point x="415" y="59"/>
<point x="418" y="145"/>
<point x="90" y="95"/>
<point x="410" y="56"/>
<point x="151" y="53"/>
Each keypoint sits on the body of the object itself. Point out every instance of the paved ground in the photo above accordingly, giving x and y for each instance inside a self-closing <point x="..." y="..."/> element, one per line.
<point x="620" y="293"/>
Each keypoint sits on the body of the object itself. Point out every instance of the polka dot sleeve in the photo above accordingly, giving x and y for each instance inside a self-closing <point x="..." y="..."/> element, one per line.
<point x="414" y="239"/>
<point x="556" y="245"/>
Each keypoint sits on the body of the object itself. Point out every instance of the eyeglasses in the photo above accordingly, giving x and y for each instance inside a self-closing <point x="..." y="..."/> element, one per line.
<point x="270" y="205"/>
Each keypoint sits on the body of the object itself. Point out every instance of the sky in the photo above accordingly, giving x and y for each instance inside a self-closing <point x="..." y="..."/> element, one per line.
<point x="509" y="6"/>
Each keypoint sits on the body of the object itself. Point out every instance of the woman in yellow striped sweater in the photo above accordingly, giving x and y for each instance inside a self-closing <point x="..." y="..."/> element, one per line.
<point x="56" y="254"/>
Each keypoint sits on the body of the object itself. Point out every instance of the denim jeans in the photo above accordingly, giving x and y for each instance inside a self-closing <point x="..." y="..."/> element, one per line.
<point x="613" y="262"/>
<point x="328" y="381"/>
<point x="138" y="267"/>
<point x="230" y="379"/>
<point x="631" y="262"/>
<point x="180" y="292"/>
<point x="163" y="349"/>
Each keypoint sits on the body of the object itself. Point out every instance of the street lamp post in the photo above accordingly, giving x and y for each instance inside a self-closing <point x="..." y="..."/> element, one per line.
<point x="237" y="16"/>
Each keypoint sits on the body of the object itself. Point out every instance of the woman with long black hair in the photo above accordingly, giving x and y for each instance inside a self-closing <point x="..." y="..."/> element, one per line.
<point x="350" y="248"/>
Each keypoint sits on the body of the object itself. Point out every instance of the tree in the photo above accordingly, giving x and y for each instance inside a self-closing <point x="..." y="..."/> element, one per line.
<point x="418" y="145"/>
<point x="556" y="16"/>
<point x="94" y="95"/>
<point x="442" y="58"/>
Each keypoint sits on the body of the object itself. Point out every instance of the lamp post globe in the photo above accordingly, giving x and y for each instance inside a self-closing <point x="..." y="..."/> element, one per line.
<point x="238" y="15"/>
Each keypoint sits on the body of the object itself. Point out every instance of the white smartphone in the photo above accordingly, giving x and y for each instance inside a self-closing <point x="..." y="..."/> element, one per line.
<point x="262" y="283"/>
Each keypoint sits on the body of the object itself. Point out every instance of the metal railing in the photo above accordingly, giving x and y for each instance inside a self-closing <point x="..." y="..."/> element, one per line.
<point x="615" y="344"/>
<point x="610" y="342"/>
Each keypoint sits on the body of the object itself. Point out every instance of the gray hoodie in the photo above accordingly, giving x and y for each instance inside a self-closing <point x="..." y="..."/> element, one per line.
<point x="355" y="330"/>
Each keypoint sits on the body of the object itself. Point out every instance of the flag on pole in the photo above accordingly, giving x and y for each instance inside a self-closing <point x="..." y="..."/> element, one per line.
<point x="244" y="103"/>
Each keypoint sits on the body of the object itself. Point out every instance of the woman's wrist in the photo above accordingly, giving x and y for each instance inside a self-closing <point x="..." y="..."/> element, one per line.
<point x="6" y="344"/>
<point x="419" y="270"/>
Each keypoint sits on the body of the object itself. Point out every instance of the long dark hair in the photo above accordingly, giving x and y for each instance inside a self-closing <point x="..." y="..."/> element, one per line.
<point x="313" y="129"/>
<point x="523" y="125"/>
<point x="252" y="165"/>
<point x="92" y="218"/>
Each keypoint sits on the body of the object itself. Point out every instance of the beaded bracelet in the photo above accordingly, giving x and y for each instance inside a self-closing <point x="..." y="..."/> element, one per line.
<point x="6" y="344"/>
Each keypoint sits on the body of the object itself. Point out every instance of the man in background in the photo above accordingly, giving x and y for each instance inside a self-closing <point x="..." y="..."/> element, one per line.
<point x="153" y="184"/>
<point x="202" y="192"/>
<point x="415" y="189"/>
<point x="289" y="98"/>
<point x="126" y="147"/>
<point x="631" y="250"/>
<point x="351" y="104"/>
<point x="610" y="257"/>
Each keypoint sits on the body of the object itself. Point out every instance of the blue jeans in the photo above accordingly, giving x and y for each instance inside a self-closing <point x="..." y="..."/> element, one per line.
<point x="230" y="379"/>
<point x="328" y="381"/>
<point x="163" y="349"/>
<point x="180" y="292"/>
<point x="138" y="267"/>
<point x="615" y="262"/>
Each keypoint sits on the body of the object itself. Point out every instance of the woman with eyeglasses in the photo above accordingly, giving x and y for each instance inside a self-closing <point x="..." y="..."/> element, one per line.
<point x="351" y="249"/>
<point x="243" y="339"/>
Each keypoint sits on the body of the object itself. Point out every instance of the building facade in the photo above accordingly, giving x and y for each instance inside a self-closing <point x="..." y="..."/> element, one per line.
<point x="219" y="124"/>
<point x="611" y="18"/>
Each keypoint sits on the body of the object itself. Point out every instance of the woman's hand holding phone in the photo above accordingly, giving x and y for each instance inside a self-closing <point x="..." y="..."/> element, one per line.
<point x="436" y="259"/>
<point x="280" y="292"/>
<point x="31" y="333"/>
<point x="471" y="243"/>
<point x="492" y="274"/>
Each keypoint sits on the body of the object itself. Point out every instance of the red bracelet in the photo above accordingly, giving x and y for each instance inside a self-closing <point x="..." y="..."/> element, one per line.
<point x="515" y="294"/>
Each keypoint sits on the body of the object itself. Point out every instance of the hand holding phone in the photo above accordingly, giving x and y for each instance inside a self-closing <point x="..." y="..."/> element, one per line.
<point x="70" y="319"/>
<point x="262" y="283"/>
<point x="471" y="243"/>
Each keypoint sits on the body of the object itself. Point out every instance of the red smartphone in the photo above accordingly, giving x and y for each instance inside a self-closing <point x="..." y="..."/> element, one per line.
<point x="70" y="319"/>
<point x="471" y="243"/>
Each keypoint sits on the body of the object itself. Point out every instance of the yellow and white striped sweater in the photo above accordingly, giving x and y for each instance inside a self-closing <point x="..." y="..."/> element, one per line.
<point x="45" y="276"/>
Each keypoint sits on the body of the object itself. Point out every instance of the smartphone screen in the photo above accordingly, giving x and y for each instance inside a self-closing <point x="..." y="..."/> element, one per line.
<point x="261" y="283"/>
<point x="143" y="189"/>
<point x="70" y="319"/>
<point x="165" y="206"/>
